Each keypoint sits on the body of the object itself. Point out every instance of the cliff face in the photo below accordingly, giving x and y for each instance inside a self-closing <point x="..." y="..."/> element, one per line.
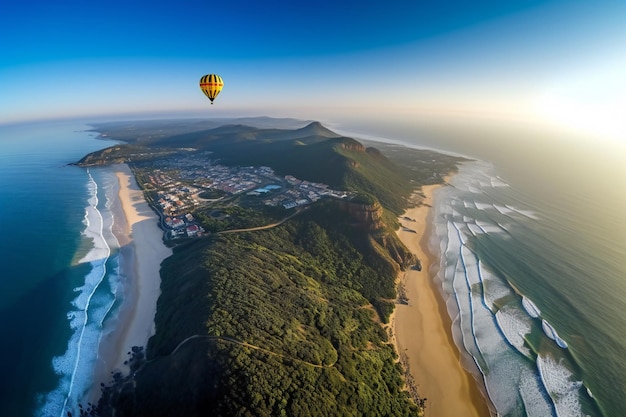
<point x="368" y="216"/>
<point x="351" y="145"/>
<point x="397" y="251"/>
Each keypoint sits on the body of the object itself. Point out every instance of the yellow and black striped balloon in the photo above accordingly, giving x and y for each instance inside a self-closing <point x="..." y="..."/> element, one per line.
<point x="211" y="85"/>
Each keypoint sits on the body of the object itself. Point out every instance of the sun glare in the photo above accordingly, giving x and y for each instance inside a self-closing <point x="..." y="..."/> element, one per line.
<point x="594" y="104"/>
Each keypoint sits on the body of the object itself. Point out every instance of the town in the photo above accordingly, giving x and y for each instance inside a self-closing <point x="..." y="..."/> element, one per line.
<point x="178" y="185"/>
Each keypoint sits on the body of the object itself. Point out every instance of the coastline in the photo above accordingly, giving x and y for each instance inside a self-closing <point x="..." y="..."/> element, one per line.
<point x="422" y="328"/>
<point x="136" y="227"/>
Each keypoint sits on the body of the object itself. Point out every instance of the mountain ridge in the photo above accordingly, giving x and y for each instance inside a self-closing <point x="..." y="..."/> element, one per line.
<point x="312" y="152"/>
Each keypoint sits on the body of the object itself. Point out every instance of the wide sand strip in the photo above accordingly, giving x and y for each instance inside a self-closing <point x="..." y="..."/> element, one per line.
<point x="136" y="227"/>
<point x="422" y="330"/>
<point x="146" y="239"/>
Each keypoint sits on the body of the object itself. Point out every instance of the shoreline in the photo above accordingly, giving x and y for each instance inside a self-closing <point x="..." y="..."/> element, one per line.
<point x="422" y="328"/>
<point x="142" y="250"/>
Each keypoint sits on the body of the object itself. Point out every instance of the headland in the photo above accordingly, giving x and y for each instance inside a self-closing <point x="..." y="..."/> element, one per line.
<point x="332" y="267"/>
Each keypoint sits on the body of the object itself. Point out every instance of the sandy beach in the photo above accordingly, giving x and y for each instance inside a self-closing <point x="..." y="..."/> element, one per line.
<point x="422" y="330"/>
<point x="142" y="251"/>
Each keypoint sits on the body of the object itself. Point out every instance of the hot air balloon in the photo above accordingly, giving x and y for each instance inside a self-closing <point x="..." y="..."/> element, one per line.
<point x="211" y="85"/>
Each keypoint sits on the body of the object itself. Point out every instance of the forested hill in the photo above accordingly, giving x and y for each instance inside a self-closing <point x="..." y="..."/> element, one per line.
<point x="285" y="321"/>
<point x="312" y="152"/>
<point x="238" y="134"/>
<point x="271" y="323"/>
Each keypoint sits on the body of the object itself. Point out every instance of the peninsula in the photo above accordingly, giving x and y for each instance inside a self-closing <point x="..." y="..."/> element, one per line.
<point x="279" y="291"/>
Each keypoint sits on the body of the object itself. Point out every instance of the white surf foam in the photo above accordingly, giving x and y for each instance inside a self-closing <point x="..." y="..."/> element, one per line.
<point x="469" y="204"/>
<point x="483" y="206"/>
<point x="503" y="209"/>
<point x="475" y="229"/>
<point x="558" y="382"/>
<point x="76" y="365"/>
<point x="493" y="289"/>
<point x="489" y="227"/>
<point x="530" y="307"/>
<point x="515" y="325"/>
<point x="490" y="325"/>
<point x="498" y="182"/>
<point x="527" y="213"/>
<point x="536" y="400"/>
<point x="552" y="334"/>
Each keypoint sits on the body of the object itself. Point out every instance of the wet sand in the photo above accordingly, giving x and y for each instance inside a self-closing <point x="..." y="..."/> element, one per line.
<point x="422" y="330"/>
<point x="142" y="251"/>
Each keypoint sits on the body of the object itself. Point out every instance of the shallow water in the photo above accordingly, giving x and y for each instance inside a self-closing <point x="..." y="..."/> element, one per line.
<point x="543" y="210"/>
<point x="523" y="302"/>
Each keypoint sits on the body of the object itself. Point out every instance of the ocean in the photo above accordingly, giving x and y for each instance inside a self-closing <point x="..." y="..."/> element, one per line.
<point x="531" y="235"/>
<point x="540" y="327"/>
<point x="60" y="280"/>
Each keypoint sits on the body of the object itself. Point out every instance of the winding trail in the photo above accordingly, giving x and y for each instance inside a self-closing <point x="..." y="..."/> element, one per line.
<point x="268" y="226"/>
<point x="248" y="345"/>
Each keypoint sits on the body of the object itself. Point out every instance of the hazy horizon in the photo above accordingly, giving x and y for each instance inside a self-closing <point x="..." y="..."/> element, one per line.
<point x="535" y="90"/>
<point x="554" y="63"/>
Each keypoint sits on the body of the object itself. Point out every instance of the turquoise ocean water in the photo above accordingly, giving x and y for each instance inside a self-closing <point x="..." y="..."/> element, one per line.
<point x="532" y="238"/>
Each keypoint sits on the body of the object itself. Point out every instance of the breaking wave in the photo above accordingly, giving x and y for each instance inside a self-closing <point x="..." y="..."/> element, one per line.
<point x="91" y="306"/>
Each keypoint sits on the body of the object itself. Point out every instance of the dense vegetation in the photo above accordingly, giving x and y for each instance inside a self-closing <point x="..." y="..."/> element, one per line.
<point x="286" y="323"/>
<point x="312" y="153"/>
<point x="287" y="320"/>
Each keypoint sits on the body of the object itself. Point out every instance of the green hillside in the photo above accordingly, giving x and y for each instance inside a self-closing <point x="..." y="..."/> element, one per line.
<point x="286" y="321"/>
<point x="312" y="153"/>
<point x="340" y="162"/>
<point x="268" y="324"/>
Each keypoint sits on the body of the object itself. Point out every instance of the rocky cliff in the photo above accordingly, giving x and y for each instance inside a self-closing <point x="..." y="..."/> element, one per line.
<point x="367" y="216"/>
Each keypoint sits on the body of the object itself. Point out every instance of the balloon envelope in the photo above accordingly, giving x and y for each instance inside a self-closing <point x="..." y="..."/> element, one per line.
<point x="211" y="85"/>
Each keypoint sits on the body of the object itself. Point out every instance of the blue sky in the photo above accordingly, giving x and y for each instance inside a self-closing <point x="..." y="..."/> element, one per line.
<point x="547" y="61"/>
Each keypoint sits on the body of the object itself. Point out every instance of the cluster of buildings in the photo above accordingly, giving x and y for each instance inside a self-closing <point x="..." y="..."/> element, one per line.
<point x="299" y="192"/>
<point x="173" y="197"/>
<point x="259" y="182"/>
<point x="177" y="182"/>
<point x="234" y="180"/>
<point x="176" y="201"/>
<point x="184" y="226"/>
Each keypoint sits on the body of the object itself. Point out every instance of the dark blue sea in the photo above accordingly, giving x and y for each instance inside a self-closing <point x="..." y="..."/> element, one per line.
<point x="531" y="233"/>
<point x="59" y="266"/>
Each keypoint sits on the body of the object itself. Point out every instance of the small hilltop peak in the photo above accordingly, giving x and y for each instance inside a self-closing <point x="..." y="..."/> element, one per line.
<point x="318" y="129"/>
